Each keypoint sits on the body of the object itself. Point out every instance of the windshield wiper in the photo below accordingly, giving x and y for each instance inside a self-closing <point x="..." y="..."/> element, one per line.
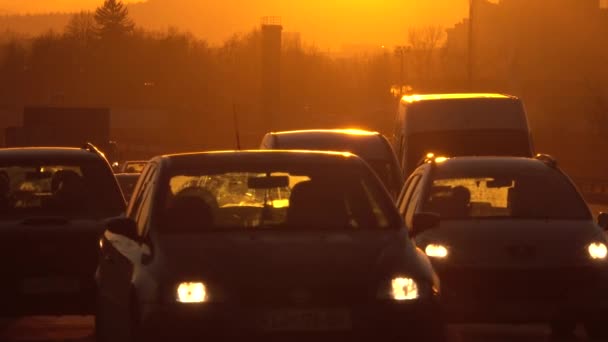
<point x="43" y="221"/>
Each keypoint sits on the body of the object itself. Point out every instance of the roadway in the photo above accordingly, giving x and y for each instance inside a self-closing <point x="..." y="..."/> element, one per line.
<point x="80" y="329"/>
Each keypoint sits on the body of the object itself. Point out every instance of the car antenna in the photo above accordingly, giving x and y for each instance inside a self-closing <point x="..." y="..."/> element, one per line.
<point x="236" y="126"/>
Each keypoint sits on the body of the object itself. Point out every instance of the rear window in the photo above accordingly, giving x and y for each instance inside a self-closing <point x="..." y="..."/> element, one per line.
<point x="276" y="198"/>
<point x="72" y="189"/>
<point x="496" y="195"/>
<point x="467" y="143"/>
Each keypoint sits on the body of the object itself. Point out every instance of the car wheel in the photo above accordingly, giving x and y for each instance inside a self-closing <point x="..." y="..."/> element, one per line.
<point x="561" y="328"/>
<point x="597" y="330"/>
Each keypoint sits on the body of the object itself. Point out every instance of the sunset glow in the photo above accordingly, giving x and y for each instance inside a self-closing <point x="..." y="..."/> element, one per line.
<point x="336" y="24"/>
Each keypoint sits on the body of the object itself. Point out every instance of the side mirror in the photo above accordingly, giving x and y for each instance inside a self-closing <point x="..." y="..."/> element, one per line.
<point x="423" y="222"/>
<point x="602" y="220"/>
<point x="123" y="226"/>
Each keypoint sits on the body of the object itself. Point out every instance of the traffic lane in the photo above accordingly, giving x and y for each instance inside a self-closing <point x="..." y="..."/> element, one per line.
<point x="80" y="329"/>
<point x="48" y="329"/>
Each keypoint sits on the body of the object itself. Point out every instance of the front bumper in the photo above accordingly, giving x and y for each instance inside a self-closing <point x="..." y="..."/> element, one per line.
<point x="47" y="295"/>
<point x="421" y="318"/>
<point x="523" y="296"/>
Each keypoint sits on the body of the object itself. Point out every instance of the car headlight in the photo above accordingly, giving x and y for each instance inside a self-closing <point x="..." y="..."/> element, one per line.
<point x="436" y="251"/>
<point x="191" y="292"/>
<point x="403" y="288"/>
<point x="598" y="251"/>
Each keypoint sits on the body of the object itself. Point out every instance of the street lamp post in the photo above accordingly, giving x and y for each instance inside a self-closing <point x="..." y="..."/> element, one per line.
<point x="471" y="46"/>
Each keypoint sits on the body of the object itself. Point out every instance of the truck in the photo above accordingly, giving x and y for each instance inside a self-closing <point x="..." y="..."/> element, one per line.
<point x="63" y="127"/>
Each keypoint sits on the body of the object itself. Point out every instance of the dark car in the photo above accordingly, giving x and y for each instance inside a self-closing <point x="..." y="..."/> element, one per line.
<point x="263" y="243"/>
<point x="127" y="182"/>
<point x="52" y="205"/>
<point x="512" y="241"/>
<point x="373" y="147"/>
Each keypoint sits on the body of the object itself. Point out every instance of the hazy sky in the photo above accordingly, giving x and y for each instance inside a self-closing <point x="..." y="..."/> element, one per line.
<point x="36" y="6"/>
<point x="326" y="23"/>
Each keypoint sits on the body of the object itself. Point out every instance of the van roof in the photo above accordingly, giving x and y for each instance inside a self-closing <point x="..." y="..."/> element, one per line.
<point x="454" y="96"/>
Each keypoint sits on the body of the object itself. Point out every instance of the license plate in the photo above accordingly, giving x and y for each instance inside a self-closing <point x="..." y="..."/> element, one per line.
<point x="50" y="285"/>
<point x="306" y="321"/>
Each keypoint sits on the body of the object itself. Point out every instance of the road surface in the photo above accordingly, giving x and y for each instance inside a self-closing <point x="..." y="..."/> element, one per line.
<point x="80" y="329"/>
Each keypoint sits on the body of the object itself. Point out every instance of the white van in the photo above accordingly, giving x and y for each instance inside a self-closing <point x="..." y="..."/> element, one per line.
<point x="460" y="125"/>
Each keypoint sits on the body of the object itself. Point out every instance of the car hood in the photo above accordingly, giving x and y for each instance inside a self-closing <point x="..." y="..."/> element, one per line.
<point x="514" y="243"/>
<point x="296" y="257"/>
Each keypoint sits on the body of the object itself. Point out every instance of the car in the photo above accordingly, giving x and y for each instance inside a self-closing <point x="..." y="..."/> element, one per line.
<point x="127" y="182"/>
<point x="464" y="124"/>
<point x="373" y="147"/>
<point x="133" y="166"/>
<point x="512" y="240"/>
<point x="53" y="202"/>
<point x="263" y="243"/>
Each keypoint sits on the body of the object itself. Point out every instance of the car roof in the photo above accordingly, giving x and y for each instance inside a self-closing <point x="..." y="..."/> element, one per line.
<point x="367" y="144"/>
<point x="454" y="96"/>
<point x="328" y="132"/>
<point x="459" y="164"/>
<point x="262" y="157"/>
<point x="44" y="153"/>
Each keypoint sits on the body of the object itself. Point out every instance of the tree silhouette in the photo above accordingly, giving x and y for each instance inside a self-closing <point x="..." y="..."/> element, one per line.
<point x="113" y="20"/>
<point x="82" y="28"/>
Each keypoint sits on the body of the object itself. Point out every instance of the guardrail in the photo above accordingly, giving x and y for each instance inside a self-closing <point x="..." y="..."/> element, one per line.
<point x="594" y="191"/>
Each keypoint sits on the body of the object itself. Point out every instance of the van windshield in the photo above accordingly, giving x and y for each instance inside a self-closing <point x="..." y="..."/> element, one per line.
<point x="467" y="143"/>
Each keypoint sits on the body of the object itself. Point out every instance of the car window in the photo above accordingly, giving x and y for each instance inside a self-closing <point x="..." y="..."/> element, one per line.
<point x="74" y="189"/>
<point x="407" y="194"/>
<point x="413" y="203"/>
<point x="304" y="199"/>
<point x="527" y="195"/>
<point x="143" y="211"/>
<point x="143" y="180"/>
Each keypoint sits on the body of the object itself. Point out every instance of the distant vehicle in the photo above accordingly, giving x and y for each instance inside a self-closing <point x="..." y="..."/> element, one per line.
<point x="242" y="244"/>
<point x="512" y="240"/>
<point x="127" y="182"/>
<point x="133" y="166"/>
<point x="53" y="202"/>
<point x="64" y="127"/>
<point x="373" y="147"/>
<point x="460" y="125"/>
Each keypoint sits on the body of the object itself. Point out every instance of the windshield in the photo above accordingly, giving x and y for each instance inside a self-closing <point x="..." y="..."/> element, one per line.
<point x="58" y="189"/>
<point x="546" y="195"/>
<point x="467" y="143"/>
<point x="134" y="167"/>
<point x="275" y="199"/>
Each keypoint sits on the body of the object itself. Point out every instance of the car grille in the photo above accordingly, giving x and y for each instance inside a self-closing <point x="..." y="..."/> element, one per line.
<point x="323" y="294"/>
<point x="540" y="284"/>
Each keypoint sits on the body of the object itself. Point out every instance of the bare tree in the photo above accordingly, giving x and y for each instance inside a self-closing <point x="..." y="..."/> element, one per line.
<point x="425" y="38"/>
<point x="424" y="42"/>
<point x="82" y="28"/>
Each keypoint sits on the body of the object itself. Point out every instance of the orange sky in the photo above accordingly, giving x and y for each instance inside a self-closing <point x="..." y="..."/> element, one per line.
<point x="329" y="24"/>
<point x="36" y="6"/>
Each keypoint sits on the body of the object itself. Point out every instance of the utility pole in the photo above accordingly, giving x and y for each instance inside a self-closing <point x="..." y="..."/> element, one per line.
<point x="471" y="45"/>
<point x="401" y="51"/>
